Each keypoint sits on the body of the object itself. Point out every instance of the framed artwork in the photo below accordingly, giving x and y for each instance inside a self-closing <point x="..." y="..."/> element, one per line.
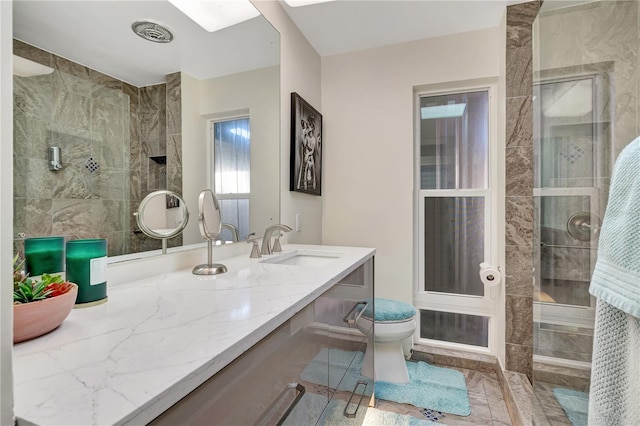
<point x="172" y="202"/>
<point x="306" y="147"/>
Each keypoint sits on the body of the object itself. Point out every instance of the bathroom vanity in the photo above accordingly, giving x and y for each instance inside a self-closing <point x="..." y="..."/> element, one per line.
<point x="234" y="348"/>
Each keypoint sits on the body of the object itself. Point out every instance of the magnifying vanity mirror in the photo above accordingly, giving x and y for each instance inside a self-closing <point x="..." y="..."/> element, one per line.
<point x="210" y="224"/>
<point x="129" y="117"/>
<point x="163" y="215"/>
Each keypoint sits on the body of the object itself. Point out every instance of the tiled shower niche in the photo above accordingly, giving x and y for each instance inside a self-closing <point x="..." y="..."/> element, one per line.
<point x="107" y="130"/>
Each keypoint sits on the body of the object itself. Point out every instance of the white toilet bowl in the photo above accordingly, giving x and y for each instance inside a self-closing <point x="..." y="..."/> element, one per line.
<point x="394" y="327"/>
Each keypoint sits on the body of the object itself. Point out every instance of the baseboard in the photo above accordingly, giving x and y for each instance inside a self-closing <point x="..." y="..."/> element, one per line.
<point x="455" y="358"/>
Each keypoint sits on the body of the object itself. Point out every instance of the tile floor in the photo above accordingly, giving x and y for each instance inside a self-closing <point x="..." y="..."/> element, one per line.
<point x="546" y="410"/>
<point x="487" y="404"/>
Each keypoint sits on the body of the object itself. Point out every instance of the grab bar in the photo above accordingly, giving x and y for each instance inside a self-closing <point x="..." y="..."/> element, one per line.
<point x="352" y="415"/>
<point x="545" y="245"/>
<point x="275" y="407"/>
<point x="352" y="320"/>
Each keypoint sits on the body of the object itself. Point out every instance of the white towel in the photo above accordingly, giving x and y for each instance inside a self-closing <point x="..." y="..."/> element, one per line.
<point x="616" y="278"/>
<point x="614" y="395"/>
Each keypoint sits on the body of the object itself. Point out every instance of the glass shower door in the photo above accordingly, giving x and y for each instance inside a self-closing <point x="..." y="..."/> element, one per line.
<point x="585" y="72"/>
<point x="567" y="230"/>
<point x="570" y="149"/>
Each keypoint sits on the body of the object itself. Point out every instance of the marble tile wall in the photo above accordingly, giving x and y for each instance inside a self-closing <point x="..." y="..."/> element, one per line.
<point x="86" y="114"/>
<point x="90" y="115"/>
<point x="519" y="188"/>
<point x="151" y="142"/>
<point x="174" y="139"/>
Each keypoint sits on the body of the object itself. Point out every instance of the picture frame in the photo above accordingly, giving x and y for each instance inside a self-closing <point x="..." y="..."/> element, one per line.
<point x="172" y="202"/>
<point x="306" y="147"/>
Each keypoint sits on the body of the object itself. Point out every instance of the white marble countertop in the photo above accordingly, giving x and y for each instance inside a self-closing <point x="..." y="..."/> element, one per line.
<point x="157" y="339"/>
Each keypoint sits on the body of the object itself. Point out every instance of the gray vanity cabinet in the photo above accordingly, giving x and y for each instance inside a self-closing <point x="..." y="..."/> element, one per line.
<point x="347" y="391"/>
<point x="300" y="374"/>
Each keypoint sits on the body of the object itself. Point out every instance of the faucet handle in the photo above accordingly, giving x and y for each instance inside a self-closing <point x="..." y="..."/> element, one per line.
<point x="255" y="250"/>
<point x="277" y="248"/>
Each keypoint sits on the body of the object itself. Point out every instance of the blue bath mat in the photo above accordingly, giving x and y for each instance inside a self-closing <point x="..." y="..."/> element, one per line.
<point x="437" y="388"/>
<point x="574" y="403"/>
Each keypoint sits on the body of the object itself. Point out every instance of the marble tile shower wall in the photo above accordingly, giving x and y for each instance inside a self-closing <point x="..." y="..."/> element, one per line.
<point x="156" y="150"/>
<point x="519" y="188"/>
<point x="89" y="115"/>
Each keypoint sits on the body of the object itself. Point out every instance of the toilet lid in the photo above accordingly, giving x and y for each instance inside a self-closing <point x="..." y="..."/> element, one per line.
<point x="389" y="310"/>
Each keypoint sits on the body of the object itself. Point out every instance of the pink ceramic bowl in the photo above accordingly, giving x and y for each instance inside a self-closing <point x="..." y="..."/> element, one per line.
<point x="37" y="318"/>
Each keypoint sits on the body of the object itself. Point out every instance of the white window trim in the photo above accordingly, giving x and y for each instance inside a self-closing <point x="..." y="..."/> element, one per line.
<point x="490" y="304"/>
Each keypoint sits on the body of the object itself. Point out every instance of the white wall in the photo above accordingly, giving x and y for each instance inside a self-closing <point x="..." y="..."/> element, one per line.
<point x="194" y="155"/>
<point x="368" y="142"/>
<point x="299" y="72"/>
<point x="256" y="93"/>
<point x="6" y="214"/>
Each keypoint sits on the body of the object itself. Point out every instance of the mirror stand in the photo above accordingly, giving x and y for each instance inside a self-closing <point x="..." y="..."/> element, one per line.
<point x="209" y="268"/>
<point x="210" y="225"/>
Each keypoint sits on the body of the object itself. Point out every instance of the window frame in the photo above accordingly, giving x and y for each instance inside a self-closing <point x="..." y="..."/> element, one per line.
<point x="488" y="304"/>
<point x="211" y="135"/>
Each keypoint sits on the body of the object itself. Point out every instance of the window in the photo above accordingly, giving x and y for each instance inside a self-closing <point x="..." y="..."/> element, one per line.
<point x="232" y="173"/>
<point x="453" y="202"/>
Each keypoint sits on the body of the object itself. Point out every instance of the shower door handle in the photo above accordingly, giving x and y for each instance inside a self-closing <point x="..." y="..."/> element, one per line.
<point x="277" y="406"/>
<point x="353" y="414"/>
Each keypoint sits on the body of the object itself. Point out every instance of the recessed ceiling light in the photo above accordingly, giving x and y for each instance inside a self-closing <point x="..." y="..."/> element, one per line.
<point x="214" y="15"/>
<point x="296" y="3"/>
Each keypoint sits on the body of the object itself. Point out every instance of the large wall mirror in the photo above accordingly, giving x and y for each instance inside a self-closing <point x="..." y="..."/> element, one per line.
<point x="103" y="117"/>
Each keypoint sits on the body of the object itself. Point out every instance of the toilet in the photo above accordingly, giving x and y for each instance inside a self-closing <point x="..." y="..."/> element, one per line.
<point x="394" y="327"/>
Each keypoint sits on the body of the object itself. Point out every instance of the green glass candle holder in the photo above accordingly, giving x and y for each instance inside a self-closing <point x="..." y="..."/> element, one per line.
<point x="87" y="266"/>
<point x="44" y="255"/>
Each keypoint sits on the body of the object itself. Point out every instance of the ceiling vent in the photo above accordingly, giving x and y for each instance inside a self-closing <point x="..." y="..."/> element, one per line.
<point x="152" y="31"/>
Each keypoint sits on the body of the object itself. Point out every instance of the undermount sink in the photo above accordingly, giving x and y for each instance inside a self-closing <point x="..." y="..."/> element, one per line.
<point x="311" y="258"/>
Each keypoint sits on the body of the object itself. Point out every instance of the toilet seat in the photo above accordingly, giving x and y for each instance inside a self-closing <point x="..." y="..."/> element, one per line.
<point x="388" y="310"/>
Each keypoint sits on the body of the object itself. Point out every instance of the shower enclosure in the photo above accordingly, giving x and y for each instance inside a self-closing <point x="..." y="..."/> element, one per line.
<point x="585" y="102"/>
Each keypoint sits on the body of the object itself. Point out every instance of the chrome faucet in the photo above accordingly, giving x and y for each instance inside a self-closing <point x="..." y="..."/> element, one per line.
<point x="266" y="240"/>
<point x="234" y="231"/>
